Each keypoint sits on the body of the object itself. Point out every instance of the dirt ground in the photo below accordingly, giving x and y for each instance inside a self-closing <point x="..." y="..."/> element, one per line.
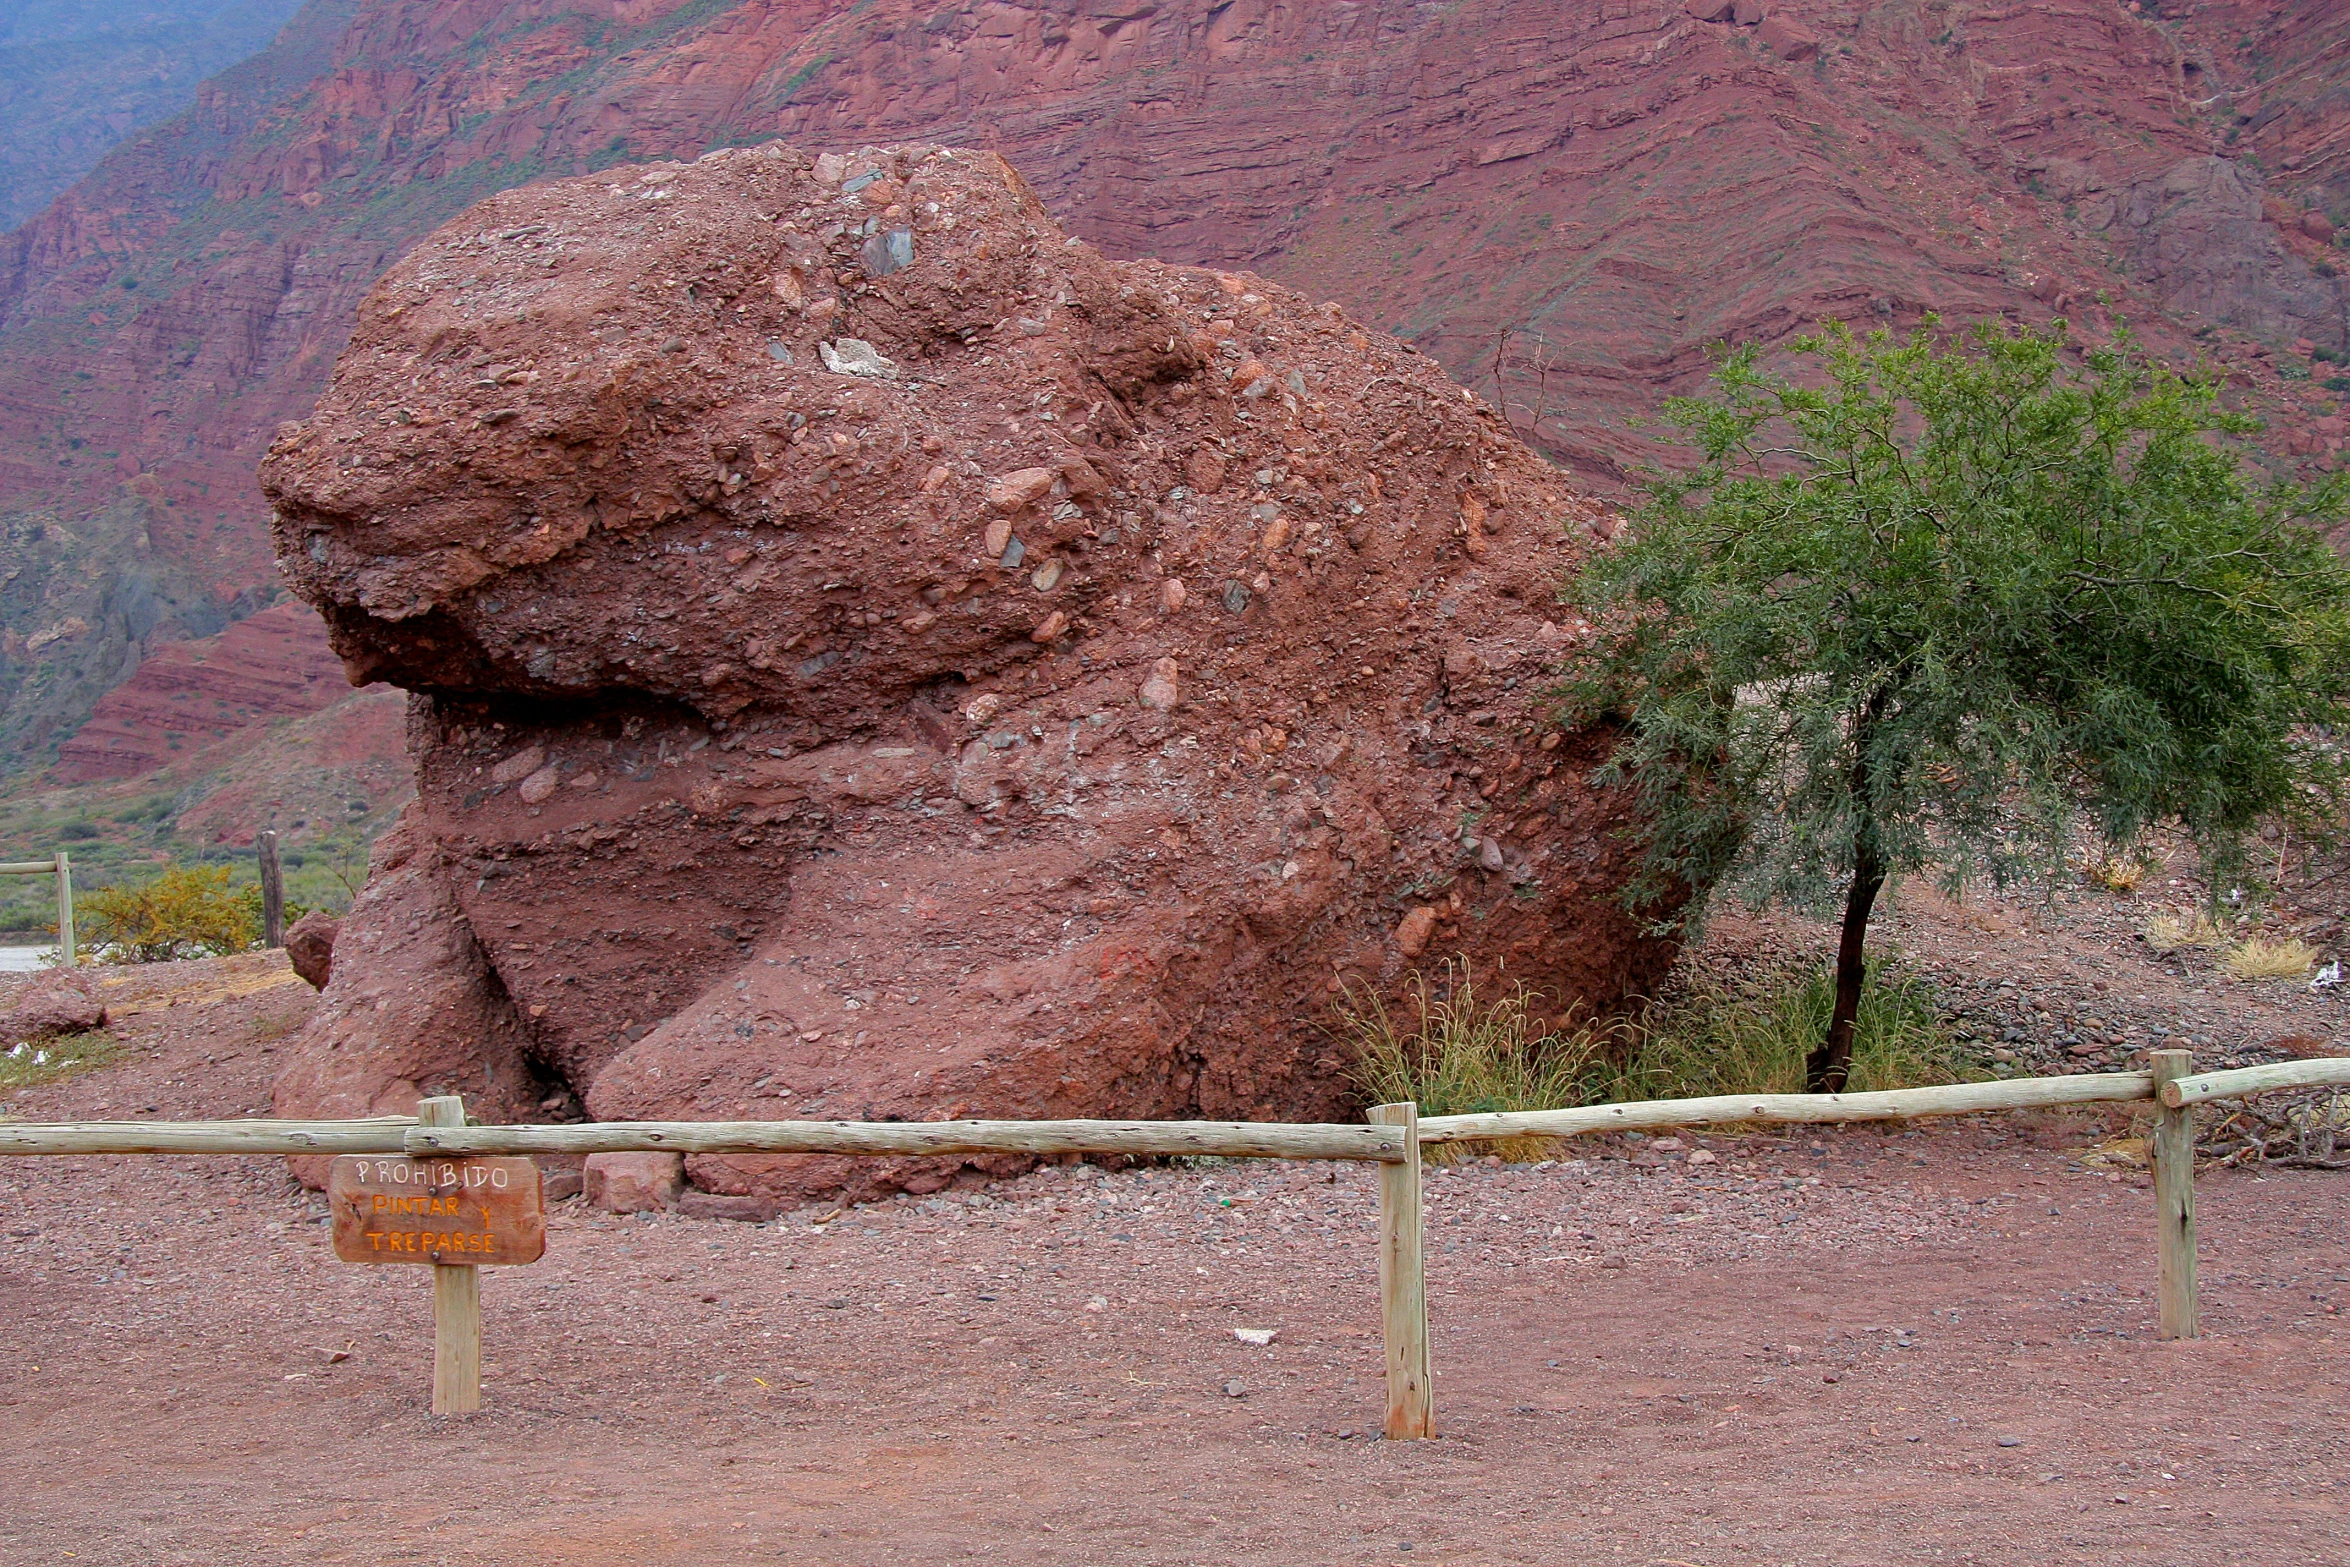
<point x="1930" y="1345"/>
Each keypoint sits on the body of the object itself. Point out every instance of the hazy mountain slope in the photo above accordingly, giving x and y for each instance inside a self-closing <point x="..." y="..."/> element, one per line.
<point x="77" y="76"/>
<point x="1581" y="194"/>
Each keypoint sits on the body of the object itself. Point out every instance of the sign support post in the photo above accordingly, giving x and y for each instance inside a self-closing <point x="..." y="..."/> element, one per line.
<point x="1403" y="1282"/>
<point x="456" y="1302"/>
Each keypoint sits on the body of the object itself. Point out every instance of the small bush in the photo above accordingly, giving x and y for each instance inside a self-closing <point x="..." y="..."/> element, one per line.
<point x="2167" y="933"/>
<point x="47" y="1060"/>
<point x="2257" y="958"/>
<point x="78" y="832"/>
<point x="189" y="911"/>
<point x="2338" y="383"/>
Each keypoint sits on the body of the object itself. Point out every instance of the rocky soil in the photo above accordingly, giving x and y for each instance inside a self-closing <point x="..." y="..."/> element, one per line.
<point x="1862" y="1346"/>
<point x="2041" y="985"/>
<point x="888" y="660"/>
<point x="1565" y="205"/>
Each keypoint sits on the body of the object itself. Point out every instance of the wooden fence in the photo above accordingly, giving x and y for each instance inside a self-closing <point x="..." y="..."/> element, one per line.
<point x="60" y="866"/>
<point x="1393" y="1138"/>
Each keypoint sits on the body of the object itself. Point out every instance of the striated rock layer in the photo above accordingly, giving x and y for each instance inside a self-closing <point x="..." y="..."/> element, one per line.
<point x="269" y="665"/>
<point x="878" y="658"/>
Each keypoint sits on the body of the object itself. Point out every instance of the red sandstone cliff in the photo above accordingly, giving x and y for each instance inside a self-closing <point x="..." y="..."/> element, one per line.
<point x="1563" y="202"/>
<point x="269" y="665"/>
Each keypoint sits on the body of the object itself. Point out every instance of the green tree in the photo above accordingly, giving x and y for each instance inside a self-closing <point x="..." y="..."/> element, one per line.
<point x="189" y="911"/>
<point x="1945" y="602"/>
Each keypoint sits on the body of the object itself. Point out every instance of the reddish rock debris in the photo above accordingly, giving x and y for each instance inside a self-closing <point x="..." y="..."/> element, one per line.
<point x="881" y="659"/>
<point x="634" y="1182"/>
<point x="310" y="947"/>
<point x="55" y="1003"/>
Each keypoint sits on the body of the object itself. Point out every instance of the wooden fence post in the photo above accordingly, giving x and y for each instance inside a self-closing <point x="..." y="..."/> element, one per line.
<point x="1403" y="1282"/>
<point x="273" y="891"/>
<point x="456" y="1302"/>
<point x="2174" y="1199"/>
<point x="68" y="953"/>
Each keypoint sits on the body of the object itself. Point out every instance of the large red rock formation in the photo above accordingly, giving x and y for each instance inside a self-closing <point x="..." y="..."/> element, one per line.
<point x="1564" y="203"/>
<point x="882" y="659"/>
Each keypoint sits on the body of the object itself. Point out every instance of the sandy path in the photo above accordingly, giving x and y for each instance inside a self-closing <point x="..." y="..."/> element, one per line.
<point x="1633" y="1363"/>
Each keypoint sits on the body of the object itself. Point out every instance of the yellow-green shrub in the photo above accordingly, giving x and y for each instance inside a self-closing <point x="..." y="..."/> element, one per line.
<point x="189" y="911"/>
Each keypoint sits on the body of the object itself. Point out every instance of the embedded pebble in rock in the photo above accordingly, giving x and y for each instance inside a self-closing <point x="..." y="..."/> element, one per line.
<point x="539" y="785"/>
<point x="1162" y="690"/>
<point x="754" y="779"/>
<point x="1412" y="933"/>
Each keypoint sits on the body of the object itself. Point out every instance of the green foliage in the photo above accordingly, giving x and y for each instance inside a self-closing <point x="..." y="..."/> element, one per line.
<point x="1723" y="1037"/>
<point x="1949" y="600"/>
<point x="1459" y="1053"/>
<point x="189" y="911"/>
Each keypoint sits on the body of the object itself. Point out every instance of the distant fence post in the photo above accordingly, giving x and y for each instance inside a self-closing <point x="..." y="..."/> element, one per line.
<point x="456" y="1302"/>
<point x="2174" y="1199"/>
<point x="273" y="893"/>
<point x="68" y="952"/>
<point x="1403" y="1282"/>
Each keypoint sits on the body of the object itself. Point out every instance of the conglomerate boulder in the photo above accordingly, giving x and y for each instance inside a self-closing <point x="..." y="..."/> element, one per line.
<point x="877" y="658"/>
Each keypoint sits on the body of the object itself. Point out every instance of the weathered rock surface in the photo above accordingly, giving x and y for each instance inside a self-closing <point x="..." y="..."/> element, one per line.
<point x="1047" y="712"/>
<point x="310" y="947"/>
<point x="412" y="1009"/>
<point x="634" y="1182"/>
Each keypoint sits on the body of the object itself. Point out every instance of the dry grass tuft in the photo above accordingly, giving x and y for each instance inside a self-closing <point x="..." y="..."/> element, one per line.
<point x="2120" y="874"/>
<point x="2258" y="958"/>
<point x="61" y="1055"/>
<point x="1751" y="1037"/>
<point x="2173" y="932"/>
<point x="1457" y="1053"/>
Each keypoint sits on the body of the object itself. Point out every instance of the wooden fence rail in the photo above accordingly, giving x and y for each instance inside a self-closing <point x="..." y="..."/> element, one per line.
<point x="2321" y="1073"/>
<point x="379" y="1134"/>
<point x="1393" y="1139"/>
<point x="1897" y="1104"/>
<point x="1147" y="1139"/>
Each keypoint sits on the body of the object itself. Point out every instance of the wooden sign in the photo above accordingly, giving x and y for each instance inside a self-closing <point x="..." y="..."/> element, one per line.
<point x="481" y="1211"/>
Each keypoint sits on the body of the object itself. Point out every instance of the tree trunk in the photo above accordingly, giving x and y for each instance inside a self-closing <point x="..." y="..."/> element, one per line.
<point x="1826" y="1069"/>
